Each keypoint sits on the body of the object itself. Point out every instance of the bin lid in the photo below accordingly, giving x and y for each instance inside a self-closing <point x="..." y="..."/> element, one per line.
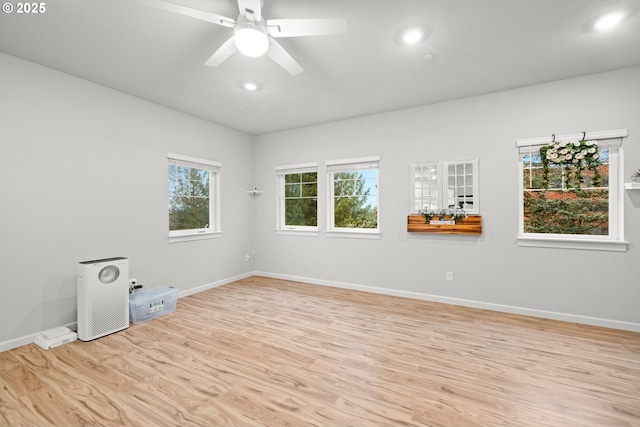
<point x="151" y="293"/>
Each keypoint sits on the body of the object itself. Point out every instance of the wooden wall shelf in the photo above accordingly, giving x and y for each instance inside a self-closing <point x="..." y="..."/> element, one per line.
<point x="469" y="225"/>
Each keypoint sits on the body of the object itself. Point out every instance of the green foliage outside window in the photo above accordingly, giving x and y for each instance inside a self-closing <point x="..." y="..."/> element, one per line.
<point x="356" y="199"/>
<point x="565" y="195"/>
<point x="567" y="212"/>
<point x="301" y="199"/>
<point x="189" y="192"/>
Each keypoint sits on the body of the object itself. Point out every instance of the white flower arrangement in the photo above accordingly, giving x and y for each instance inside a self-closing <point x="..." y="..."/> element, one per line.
<point x="575" y="153"/>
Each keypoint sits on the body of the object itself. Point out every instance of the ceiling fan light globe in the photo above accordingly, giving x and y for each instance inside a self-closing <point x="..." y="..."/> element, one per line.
<point x="251" y="40"/>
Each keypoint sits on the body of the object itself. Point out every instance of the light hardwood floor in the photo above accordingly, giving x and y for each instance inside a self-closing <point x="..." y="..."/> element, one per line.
<point x="264" y="352"/>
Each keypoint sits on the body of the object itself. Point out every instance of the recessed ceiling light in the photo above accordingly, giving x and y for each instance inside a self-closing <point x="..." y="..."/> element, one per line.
<point x="608" y="21"/>
<point x="251" y="86"/>
<point x="412" y="36"/>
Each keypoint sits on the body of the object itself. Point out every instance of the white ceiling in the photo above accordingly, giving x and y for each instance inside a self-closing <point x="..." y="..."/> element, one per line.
<point x="479" y="46"/>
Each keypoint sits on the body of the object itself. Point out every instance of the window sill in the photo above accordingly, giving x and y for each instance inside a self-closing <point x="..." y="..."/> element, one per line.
<point x="188" y="237"/>
<point x="312" y="232"/>
<point x="352" y="233"/>
<point x="565" y="243"/>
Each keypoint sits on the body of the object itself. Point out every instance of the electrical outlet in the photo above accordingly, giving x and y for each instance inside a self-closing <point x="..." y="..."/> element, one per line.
<point x="449" y="276"/>
<point x="134" y="286"/>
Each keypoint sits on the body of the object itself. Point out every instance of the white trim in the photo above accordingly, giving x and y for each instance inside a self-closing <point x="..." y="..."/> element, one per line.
<point x="194" y="160"/>
<point x="565" y="243"/>
<point x="296" y="168"/>
<point x="616" y="194"/>
<point x="298" y="231"/>
<point x="367" y="159"/>
<point x="544" y="314"/>
<point x="212" y="285"/>
<point x="354" y="233"/>
<point x="607" y="134"/>
<point x="182" y="236"/>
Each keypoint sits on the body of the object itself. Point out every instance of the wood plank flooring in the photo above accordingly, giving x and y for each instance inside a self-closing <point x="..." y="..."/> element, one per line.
<point x="265" y="352"/>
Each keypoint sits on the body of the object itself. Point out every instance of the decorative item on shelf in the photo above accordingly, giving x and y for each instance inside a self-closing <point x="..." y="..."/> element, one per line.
<point x="635" y="181"/>
<point x="577" y="155"/>
<point x="445" y="216"/>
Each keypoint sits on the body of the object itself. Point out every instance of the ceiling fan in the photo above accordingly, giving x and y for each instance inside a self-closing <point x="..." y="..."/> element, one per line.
<point x="254" y="36"/>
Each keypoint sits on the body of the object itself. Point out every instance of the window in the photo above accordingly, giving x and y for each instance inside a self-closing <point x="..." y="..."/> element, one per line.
<point x="571" y="191"/>
<point x="353" y="196"/>
<point x="194" y="207"/>
<point x="445" y="185"/>
<point x="297" y="208"/>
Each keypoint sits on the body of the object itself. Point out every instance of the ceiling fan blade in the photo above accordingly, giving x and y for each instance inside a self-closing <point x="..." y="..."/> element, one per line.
<point x="193" y="13"/>
<point x="282" y="58"/>
<point x="251" y="8"/>
<point x="306" y="27"/>
<point x="222" y="54"/>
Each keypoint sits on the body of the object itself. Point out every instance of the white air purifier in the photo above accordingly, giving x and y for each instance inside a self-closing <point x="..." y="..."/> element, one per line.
<point x="103" y="297"/>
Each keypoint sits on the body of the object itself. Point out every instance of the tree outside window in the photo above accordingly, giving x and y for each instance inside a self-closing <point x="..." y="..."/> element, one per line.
<point x="301" y="199"/>
<point x="297" y="208"/>
<point x="353" y="197"/>
<point x="356" y="199"/>
<point x="189" y="198"/>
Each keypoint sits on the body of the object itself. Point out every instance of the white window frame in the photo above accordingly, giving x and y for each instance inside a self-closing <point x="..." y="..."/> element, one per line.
<point x="341" y="165"/>
<point x="213" y="231"/>
<point x="614" y="241"/>
<point x="281" y="226"/>
<point x="442" y="187"/>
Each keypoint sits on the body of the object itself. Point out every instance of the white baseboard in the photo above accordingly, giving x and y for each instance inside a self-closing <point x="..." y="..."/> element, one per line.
<point x="214" y="284"/>
<point x="586" y="320"/>
<point x="28" y="339"/>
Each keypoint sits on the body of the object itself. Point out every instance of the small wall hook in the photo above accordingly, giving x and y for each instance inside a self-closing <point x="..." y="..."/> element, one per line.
<point x="553" y="137"/>
<point x="584" y="135"/>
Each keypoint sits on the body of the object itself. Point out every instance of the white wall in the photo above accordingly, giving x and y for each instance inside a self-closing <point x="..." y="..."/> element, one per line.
<point x="83" y="175"/>
<point x="489" y="271"/>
